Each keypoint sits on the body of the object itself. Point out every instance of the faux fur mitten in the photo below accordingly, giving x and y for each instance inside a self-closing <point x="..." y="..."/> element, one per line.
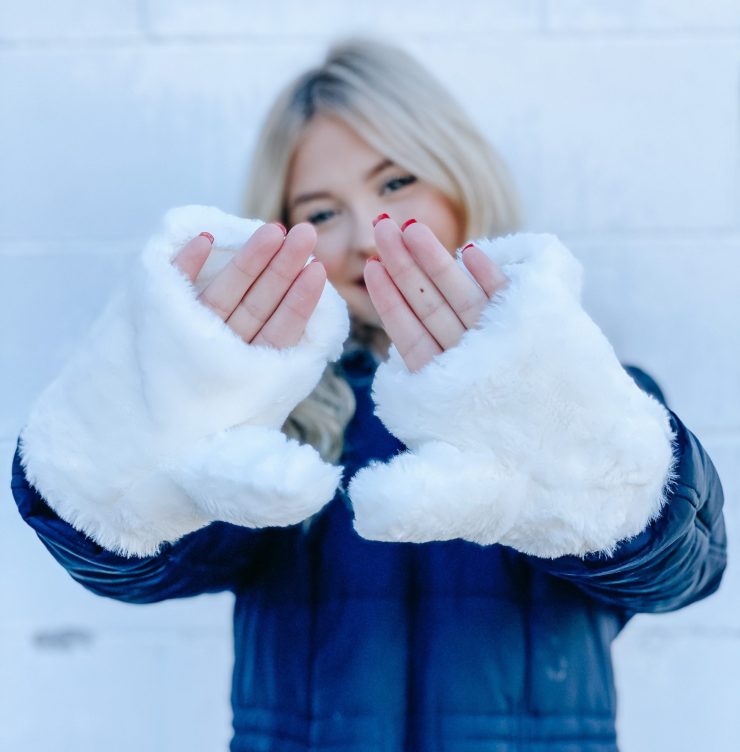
<point x="165" y="419"/>
<point x="528" y="432"/>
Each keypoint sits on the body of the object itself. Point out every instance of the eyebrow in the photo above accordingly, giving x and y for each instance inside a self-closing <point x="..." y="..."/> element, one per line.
<point x="324" y="194"/>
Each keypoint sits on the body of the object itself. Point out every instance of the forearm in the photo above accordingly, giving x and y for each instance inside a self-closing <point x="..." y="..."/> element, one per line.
<point x="209" y="560"/>
<point x="528" y="433"/>
<point x="677" y="559"/>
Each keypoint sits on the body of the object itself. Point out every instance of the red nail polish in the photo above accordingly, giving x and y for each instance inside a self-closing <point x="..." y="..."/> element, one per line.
<point x="207" y="235"/>
<point x="469" y="245"/>
<point x="379" y="217"/>
<point x="373" y="258"/>
<point x="407" y="223"/>
<point x="282" y="227"/>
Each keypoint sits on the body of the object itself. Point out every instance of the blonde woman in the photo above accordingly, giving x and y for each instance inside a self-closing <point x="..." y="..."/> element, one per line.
<point x="435" y="492"/>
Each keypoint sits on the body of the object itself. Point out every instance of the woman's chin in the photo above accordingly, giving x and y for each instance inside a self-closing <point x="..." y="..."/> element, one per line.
<point x="360" y="306"/>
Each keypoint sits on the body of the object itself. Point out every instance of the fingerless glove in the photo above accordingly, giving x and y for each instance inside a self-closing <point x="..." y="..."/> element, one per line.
<point x="528" y="432"/>
<point x="165" y="419"/>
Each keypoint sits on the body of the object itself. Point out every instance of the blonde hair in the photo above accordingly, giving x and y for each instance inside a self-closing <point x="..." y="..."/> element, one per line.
<point x="402" y="111"/>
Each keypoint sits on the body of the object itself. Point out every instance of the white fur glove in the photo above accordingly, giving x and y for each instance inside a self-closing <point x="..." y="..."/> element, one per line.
<point x="528" y="432"/>
<point x="165" y="419"/>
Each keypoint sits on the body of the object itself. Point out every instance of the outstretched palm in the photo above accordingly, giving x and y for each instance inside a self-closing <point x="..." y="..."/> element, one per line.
<point x="424" y="299"/>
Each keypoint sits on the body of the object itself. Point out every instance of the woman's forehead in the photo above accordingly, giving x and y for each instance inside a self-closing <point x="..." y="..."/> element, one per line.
<point x="330" y="152"/>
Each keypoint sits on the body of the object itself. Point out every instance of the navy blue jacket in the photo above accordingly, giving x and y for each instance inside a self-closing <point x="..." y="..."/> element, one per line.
<point x="351" y="645"/>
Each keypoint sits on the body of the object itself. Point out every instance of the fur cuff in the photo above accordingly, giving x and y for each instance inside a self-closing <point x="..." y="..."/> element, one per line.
<point x="165" y="420"/>
<point x="527" y="433"/>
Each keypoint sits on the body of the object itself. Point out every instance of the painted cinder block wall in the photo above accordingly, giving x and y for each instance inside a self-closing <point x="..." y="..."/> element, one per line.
<point x="620" y="123"/>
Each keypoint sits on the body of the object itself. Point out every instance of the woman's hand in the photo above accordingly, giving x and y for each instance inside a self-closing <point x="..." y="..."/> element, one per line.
<point x="265" y="293"/>
<point x="425" y="301"/>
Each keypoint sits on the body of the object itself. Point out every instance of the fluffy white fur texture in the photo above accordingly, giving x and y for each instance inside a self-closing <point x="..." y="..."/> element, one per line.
<point x="164" y="419"/>
<point x="528" y="432"/>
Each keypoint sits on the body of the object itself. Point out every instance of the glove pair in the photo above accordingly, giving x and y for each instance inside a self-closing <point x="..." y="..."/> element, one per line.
<point x="528" y="432"/>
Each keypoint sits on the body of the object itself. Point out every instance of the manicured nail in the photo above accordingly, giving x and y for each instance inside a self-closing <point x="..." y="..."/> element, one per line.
<point x="379" y="217"/>
<point x="373" y="258"/>
<point x="469" y="245"/>
<point x="207" y="235"/>
<point x="407" y="223"/>
<point x="282" y="227"/>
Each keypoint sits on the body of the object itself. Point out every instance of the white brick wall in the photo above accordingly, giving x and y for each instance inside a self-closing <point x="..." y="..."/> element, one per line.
<point x="642" y="15"/>
<point x="619" y="119"/>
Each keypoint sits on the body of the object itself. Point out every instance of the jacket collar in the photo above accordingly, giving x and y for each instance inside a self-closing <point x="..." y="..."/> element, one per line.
<point x="358" y="366"/>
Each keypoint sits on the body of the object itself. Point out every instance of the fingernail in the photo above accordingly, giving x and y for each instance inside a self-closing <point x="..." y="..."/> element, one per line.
<point x="373" y="258"/>
<point x="469" y="245"/>
<point x="282" y="227"/>
<point x="379" y="217"/>
<point x="407" y="223"/>
<point x="207" y="235"/>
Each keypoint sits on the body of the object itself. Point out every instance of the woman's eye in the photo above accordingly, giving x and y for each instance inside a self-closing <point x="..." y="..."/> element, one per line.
<point x="319" y="217"/>
<point x="396" y="183"/>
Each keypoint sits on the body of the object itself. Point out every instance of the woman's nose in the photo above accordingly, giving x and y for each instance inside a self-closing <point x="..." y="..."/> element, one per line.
<point x="363" y="234"/>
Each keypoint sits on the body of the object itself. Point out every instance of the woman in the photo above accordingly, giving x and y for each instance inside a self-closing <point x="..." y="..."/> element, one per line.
<point x="554" y="493"/>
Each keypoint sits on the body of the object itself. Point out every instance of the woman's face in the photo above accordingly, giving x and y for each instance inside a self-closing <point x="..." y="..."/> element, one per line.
<point x="339" y="183"/>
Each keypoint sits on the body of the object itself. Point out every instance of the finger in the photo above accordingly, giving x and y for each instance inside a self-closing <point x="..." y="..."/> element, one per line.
<point x="463" y="295"/>
<point x="286" y="326"/>
<point x="485" y="271"/>
<point x="223" y="293"/>
<point x="191" y="257"/>
<point x="264" y="296"/>
<point x="413" y="340"/>
<point x="424" y="299"/>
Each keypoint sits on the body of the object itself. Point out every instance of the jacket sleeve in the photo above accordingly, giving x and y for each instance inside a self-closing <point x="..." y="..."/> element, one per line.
<point x="530" y="433"/>
<point x="218" y="557"/>
<point x="680" y="557"/>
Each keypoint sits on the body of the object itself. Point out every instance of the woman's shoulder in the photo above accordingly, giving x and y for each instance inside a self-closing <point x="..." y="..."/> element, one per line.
<point x="645" y="381"/>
